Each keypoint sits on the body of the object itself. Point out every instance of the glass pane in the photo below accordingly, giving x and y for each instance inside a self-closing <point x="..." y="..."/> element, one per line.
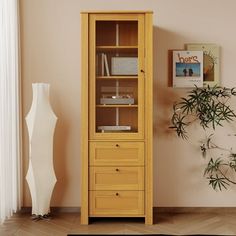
<point x="116" y="76"/>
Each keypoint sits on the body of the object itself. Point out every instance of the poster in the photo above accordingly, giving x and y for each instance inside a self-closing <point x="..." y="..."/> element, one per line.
<point x="187" y="69"/>
<point x="211" y="61"/>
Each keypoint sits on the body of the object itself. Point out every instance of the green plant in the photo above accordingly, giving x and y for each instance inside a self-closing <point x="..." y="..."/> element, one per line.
<point x="218" y="170"/>
<point x="209" y="106"/>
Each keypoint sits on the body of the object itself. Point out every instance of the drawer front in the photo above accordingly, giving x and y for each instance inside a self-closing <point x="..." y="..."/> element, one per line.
<point x="116" y="153"/>
<point x="116" y="178"/>
<point x="117" y="203"/>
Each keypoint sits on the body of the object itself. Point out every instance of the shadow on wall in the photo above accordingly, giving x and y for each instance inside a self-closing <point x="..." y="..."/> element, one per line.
<point x="166" y="187"/>
<point x="164" y="94"/>
<point x="60" y="147"/>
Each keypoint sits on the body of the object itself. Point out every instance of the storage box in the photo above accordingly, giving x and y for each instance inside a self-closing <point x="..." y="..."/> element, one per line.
<point x="124" y="65"/>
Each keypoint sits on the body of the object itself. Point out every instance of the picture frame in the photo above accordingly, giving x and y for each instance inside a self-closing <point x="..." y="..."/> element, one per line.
<point x="187" y="69"/>
<point x="211" y="62"/>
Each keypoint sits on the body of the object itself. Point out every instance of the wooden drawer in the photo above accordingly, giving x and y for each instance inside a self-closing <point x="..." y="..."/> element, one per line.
<point x="116" y="203"/>
<point x="116" y="153"/>
<point x="116" y="178"/>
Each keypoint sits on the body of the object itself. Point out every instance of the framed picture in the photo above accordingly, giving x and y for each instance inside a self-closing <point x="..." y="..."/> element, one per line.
<point x="187" y="69"/>
<point x="211" y="61"/>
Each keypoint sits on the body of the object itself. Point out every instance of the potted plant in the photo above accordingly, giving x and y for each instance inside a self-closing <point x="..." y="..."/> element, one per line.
<point x="210" y="106"/>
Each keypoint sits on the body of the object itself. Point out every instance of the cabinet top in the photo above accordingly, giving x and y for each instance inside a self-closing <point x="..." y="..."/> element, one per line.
<point x="111" y="12"/>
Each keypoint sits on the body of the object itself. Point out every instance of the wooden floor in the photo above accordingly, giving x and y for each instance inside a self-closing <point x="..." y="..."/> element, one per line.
<point x="185" y="223"/>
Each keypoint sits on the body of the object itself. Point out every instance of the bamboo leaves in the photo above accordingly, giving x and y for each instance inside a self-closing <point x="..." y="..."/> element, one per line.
<point x="208" y="105"/>
<point x="219" y="171"/>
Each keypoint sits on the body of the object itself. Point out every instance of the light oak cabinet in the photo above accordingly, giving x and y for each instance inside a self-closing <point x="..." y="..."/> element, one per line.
<point x="116" y="148"/>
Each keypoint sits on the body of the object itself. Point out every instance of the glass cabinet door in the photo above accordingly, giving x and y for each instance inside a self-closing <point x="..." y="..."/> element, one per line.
<point x="116" y="76"/>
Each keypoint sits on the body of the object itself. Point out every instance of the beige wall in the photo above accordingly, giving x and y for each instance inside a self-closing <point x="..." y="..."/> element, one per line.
<point x="50" y="39"/>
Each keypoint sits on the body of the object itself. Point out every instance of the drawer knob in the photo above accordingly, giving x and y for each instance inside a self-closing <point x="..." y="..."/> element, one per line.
<point x="117" y="169"/>
<point x="117" y="194"/>
<point x="117" y="145"/>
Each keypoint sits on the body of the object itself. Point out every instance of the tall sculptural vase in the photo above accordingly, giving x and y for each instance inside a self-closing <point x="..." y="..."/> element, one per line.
<point x="41" y="122"/>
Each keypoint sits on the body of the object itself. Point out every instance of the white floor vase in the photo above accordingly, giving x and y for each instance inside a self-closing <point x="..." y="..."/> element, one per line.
<point x="41" y="122"/>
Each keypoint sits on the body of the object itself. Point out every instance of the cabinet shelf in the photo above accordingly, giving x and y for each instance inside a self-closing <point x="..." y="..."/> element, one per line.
<point x="118" y="105"/>
<point x="117" y="48"/>
<point x="124" y="77"/>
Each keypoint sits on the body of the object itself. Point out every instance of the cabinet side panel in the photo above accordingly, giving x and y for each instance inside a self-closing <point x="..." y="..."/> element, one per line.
<point x="149" y="118"/>
<point x="84" y="118"/>
<point x="141" y="62"/>
<point x="92" y="75"/>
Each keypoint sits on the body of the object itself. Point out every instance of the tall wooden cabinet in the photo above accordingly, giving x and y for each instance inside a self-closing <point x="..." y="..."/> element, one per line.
<point x="116" y="149"/>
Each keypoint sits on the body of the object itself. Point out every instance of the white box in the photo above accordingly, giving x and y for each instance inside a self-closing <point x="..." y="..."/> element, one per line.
<point x="124" y="65"/>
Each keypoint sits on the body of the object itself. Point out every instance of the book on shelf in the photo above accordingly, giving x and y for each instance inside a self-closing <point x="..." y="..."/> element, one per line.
<point x="102" y="66"/>
<point x="106" y="64"/>
<point x="99" y="64"/>
<point x="187" y="69"/>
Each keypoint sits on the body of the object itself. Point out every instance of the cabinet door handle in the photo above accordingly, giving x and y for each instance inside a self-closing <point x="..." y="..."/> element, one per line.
<point x="117" y="145"/>
<point x="142" y="71"/>
<point x="117" y="194"/>
<point x="117" y="169"/>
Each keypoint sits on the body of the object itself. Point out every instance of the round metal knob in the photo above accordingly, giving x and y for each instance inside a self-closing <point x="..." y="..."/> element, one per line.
<point x="117" y="145"/>
<point x="117" y="194"/>
<point x="117" y="169"/>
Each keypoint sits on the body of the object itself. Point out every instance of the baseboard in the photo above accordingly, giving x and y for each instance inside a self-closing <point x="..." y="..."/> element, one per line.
<point x="216" y="210"/>
<point x="156" y="210"/>
<point x="54" y="210"/>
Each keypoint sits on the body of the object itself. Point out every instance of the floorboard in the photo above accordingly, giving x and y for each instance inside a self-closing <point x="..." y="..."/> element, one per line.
<point x="167" y="223"/>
